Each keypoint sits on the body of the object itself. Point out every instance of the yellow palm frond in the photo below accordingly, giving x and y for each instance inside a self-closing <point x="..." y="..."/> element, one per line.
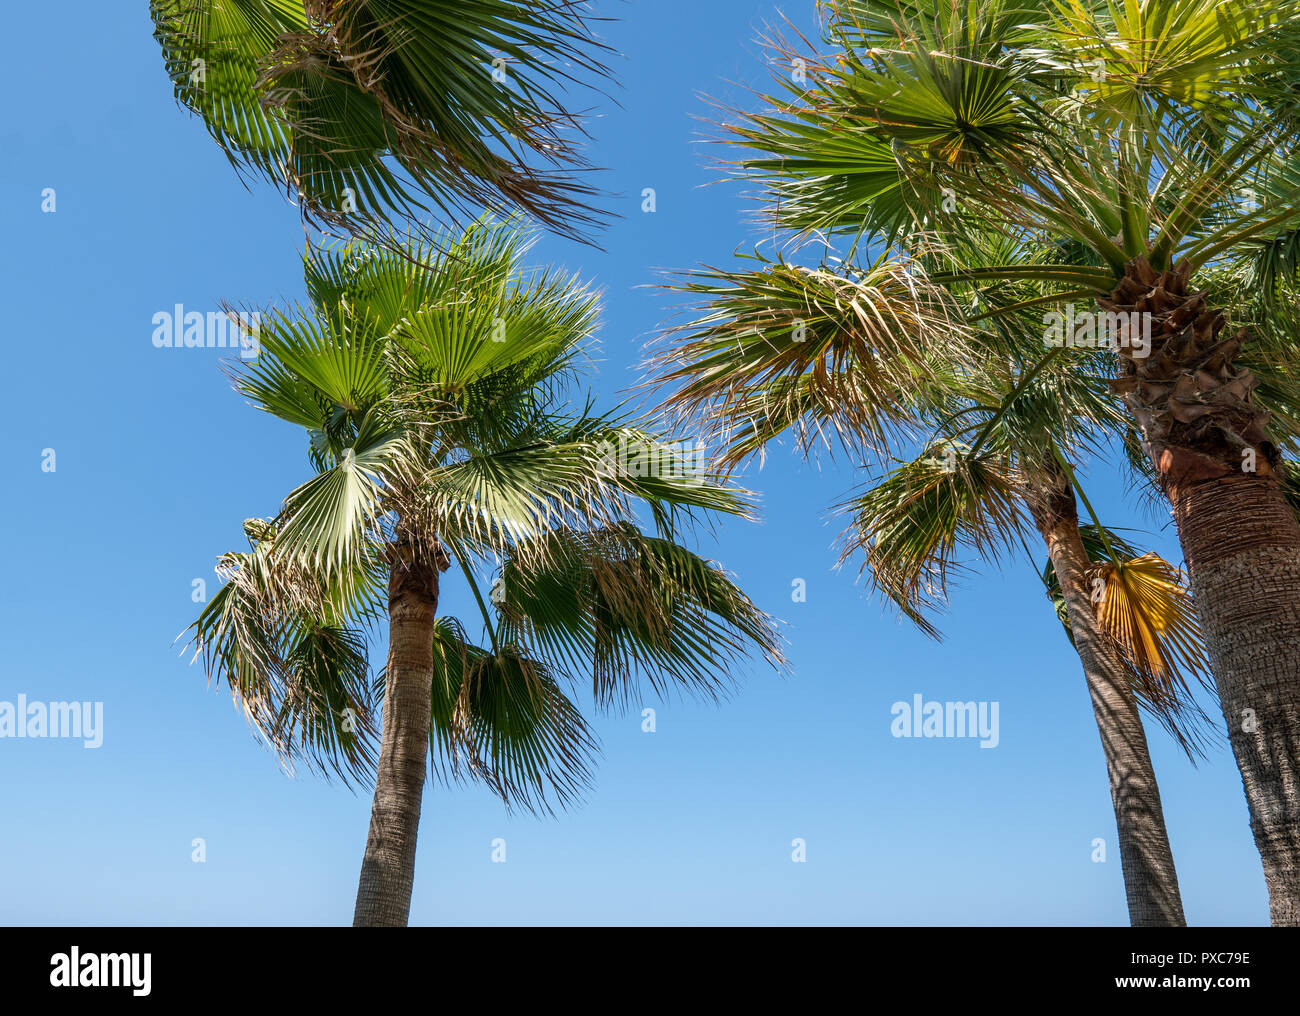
<point x="1146" y="608"/>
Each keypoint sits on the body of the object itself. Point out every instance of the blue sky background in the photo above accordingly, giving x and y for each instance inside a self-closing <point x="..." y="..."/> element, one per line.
<point x="158" y="463"/>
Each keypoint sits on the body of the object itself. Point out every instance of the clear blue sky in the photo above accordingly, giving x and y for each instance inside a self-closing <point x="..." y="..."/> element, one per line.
<point x="158" y="462"/>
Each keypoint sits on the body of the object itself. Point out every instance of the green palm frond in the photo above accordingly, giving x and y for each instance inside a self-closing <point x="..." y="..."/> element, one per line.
<point x="909" y="525"/>
<point x="908" y="83"/>
<point x="1158" y="57"/>
<point x="289" y="642"/>
<point x="374" y="110"/>
<point x="1129" y="128"/>
<point x="486" y="504"/>
<point x="501" y="718"/>
<point x="632" y="610"/>
<point x="334" y="519"/>
<point x="1271" y="259"/>
<point x="843" y="356"/>
<point x="315" y="372"/>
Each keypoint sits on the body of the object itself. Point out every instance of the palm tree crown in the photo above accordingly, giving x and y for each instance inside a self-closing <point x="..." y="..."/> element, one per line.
<point x="430" y="381"/>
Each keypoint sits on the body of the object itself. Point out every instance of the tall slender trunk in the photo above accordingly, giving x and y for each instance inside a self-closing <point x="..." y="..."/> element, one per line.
<point x="1210" y="447"/>
<point x="1150" y="879"/>
<point x="388" y="868"/>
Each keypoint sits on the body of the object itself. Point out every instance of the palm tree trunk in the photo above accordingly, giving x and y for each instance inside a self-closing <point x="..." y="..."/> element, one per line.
<point x="1209" y="444"/>
<point x="1150" y="879"/>
<point x="1242" y="547"/>
<point x="388" y="868"/>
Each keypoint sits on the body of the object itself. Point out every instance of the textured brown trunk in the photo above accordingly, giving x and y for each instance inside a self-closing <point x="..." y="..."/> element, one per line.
<point x="1150" y="879"/>
<point x="1210" y="447"/>
<point x="388" y="868"/>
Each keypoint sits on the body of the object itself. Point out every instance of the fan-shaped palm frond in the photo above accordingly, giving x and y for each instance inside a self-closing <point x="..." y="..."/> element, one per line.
<point x="501" y="717"/>
<point x="830" y="355"/>
<point x="1143" y="604"/>
<point x="370" y="110"/>
<point x="631" y="608"/>
<point x="909" y="525"/>
<point x="290" y="642"/>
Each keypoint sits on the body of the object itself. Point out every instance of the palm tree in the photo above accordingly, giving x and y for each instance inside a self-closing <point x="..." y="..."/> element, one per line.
<point x="431" y="384"/>
<point x="1153" y="143"/>
<point x="372" y="111"/>
<point x="864" y="359"/>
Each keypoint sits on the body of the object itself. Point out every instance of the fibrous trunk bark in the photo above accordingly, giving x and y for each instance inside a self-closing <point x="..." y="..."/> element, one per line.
<point x="1150" y="879"/>
<point x="1209" y="444"/>
<point x="388" y="868"/>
